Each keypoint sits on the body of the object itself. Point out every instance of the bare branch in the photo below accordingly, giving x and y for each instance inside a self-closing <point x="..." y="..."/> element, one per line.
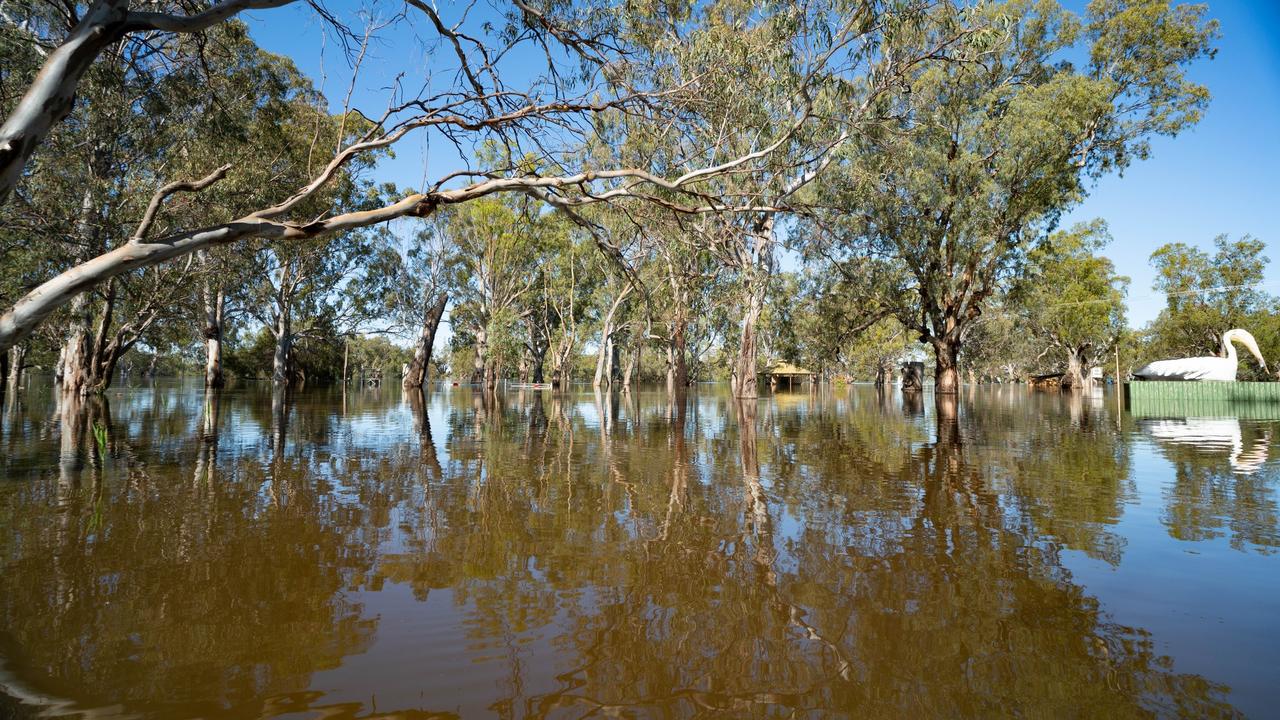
<point x="174" y="187"/>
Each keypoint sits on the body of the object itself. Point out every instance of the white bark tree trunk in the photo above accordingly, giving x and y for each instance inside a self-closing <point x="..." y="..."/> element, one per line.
<point x="214" y="310"/>
<point x="744" y="367"/>
<point x="17" y="361"/>
<point x="284" y="345"/>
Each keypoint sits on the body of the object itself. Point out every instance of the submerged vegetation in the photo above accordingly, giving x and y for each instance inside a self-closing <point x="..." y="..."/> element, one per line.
<point x="663" y="192"/>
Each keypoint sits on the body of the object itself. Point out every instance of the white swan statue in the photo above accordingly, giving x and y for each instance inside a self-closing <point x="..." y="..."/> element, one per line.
<point x="1204" y="368"/>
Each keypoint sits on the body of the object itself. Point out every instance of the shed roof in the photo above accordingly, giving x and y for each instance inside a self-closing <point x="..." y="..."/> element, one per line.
<point x="784" y="368"/>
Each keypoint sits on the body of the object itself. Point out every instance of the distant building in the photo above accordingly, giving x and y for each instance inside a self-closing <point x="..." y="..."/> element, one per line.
<point x="780" y="371"/>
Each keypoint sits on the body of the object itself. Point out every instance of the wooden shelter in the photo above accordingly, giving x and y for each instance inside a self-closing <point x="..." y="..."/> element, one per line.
<point x="786" y="371"/>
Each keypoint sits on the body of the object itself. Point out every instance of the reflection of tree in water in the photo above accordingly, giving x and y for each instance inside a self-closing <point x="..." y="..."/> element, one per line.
<point x="197" y="592"/>
<point x="700" y="557"/>
<point x="1067" y="467"/>
<point x="1220" y="484"/>
<point x="783" y="566"/>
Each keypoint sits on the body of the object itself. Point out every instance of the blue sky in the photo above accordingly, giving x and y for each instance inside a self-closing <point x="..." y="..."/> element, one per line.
<point x="1221" y="176"/>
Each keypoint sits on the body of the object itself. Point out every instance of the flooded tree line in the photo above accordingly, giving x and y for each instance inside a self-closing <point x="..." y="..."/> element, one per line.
<point x="629" y="182"/>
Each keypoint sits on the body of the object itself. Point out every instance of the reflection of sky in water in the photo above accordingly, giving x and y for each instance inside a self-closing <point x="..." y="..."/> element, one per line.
<point x="1169" y="526"/>
<point x="1210" y="603"/>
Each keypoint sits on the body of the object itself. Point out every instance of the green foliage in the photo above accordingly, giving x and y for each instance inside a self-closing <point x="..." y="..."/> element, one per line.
<point x="1071" y="297"/>
<point x="980" y="159"/>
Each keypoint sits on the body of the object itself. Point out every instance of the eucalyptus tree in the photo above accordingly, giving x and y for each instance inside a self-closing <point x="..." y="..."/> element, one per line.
<point x="569" y="278"/>
<point x="833" y="88"/>
<point x="985" y="154"/>
<point x="620" y="303"/>
<point x="998" y="346"/>
<point x="492" y="96"/>
<point x="878" y="351"/>
<point x="419" y="296"/>
<point x="68" y="38"/>
<point x="98" y="182"/>
<point x="497" y="247"/>
<point x="319" y="289"/>
<point x="787" y="86"/>
<point x="690" y="276"/>
<point x="1072" y="299"/>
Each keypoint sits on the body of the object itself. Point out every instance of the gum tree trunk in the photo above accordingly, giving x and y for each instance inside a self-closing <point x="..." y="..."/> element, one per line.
<point x="214" y="312"/>
<point x="756" y="261"/>
<point x="884" y="373"/>
<point x="946" y="376"/>
<point x="633" y="364"/>
<point x="74" y="357"/>
<point x="416" y="376"/>
<point x="76" y="350"/>
<point x="605" y="353"/>
<point x="744" y="367"/>
<point x="284" y="344"/>
<point x="1076" y="376"/>
<point x="678" y="357"/>
<point x="481" y="360"/>
<point x="17" y="360"/>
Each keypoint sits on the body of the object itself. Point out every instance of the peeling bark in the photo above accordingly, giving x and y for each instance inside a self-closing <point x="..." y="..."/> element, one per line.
<point x="744" y="367"/>
<point x="946" y="376"/>
<point x="215" y="310"/>
<point x="1078" y="367"/>
<point x="17" y="361"/>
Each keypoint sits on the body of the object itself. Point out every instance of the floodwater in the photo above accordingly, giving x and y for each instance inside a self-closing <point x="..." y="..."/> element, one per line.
<point x="545" y="555"/>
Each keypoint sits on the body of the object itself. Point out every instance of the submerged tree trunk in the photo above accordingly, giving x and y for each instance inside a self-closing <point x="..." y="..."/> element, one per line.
<point x="678" y="356"/>
<point x="605" y="352"/>
<point x="884" y="373"/>
<point x="480" y="362"/>
<point x="525" y="366"/>
<point x="17" y="361"/>
<point x="602" y="352"/>
<point x="564" y="365"/>
<point x="214" y="311"/>
<point x="420" y="366"/>
<point x="757" y="265"/>
<point x="1076" y="376"/>
<point x="486" y="365"/>
<point x="744" y="367"/>
<point x="539" y="344"/>
<point x="946" y="374"/>
<point x="76" y="350"/>
<point x="539" y="375"/>
<point x="284" y="345"/>
<point x="632" y="366"/>
<point x="614" y="368"/>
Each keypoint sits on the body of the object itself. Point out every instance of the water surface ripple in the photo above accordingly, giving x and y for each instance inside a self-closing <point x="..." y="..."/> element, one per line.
<point x="164" y="554"/>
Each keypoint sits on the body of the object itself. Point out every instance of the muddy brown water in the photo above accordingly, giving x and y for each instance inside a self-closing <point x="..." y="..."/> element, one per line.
<point x="165" y="555"/>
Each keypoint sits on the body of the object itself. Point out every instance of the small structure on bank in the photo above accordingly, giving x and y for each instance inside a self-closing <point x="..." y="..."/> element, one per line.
<point x="784" y="371"/>
<point x="1050" y="381"/>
